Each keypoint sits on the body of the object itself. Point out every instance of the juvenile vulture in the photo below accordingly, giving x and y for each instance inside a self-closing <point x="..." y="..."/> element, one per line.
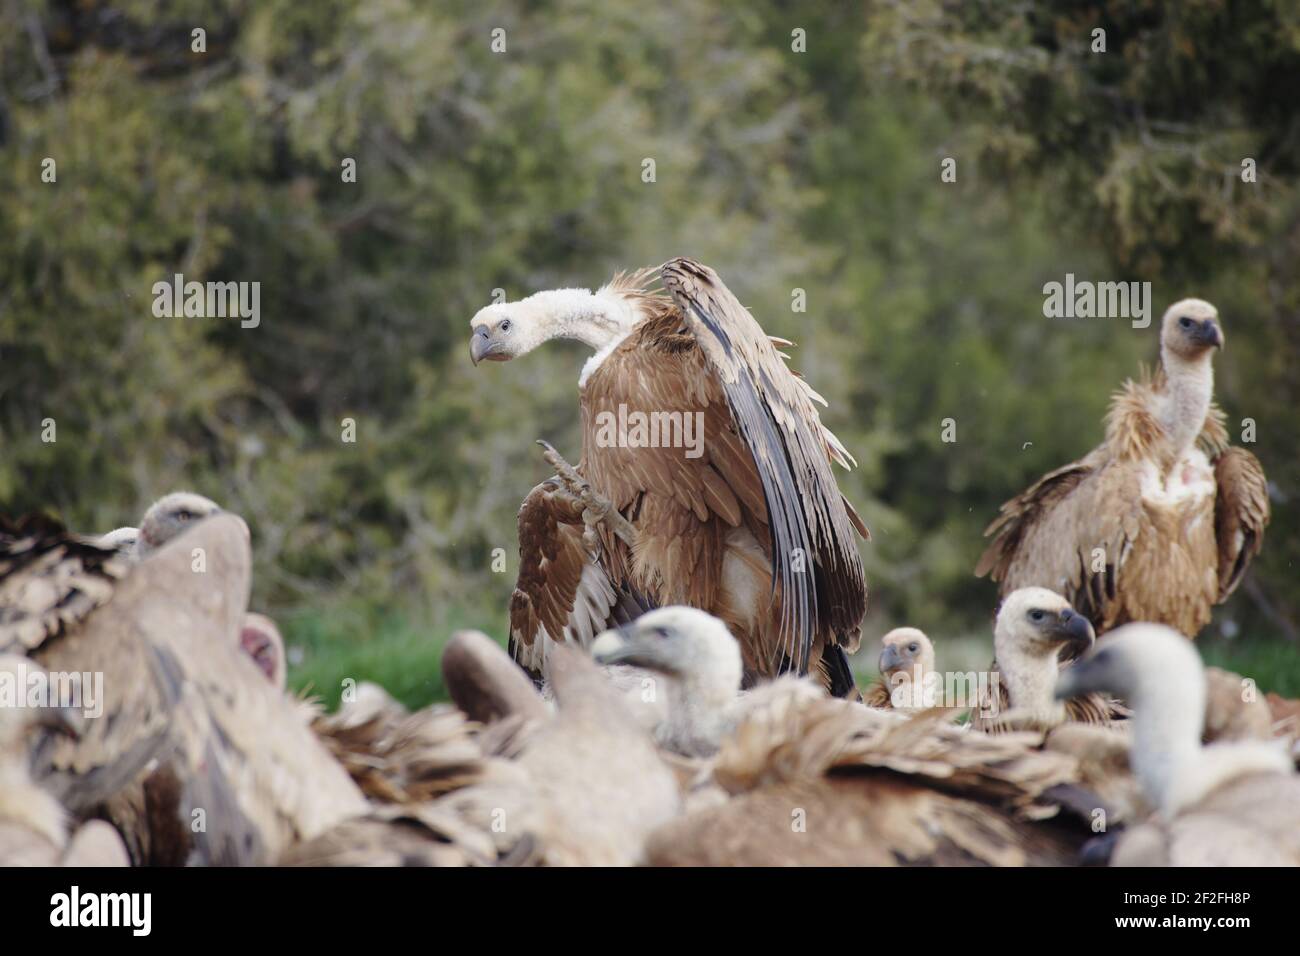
<point x="705" y="478"/>
<point x="1035" y="630"/>
<point x="906" y="657"/>
<point x="1159" y="522"/>
<point x="33" y="825"/>
<point x="1225" y="804"/>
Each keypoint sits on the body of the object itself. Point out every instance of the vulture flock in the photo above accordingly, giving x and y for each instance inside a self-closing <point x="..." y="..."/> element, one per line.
<point x="677" y="689"/>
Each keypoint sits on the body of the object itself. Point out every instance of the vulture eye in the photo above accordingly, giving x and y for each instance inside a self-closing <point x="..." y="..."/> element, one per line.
<point x="184" y="515"/>
<point x="1036" y="616"/>
<point x="504" y="326"/>
<point x="1185" y="322"/>
<point x="660" y="632"/>
<point x="912" y="647"/>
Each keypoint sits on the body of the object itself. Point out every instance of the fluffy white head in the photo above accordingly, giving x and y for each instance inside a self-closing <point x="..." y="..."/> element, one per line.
<point x="904" y="650"/>
<point x="169" y="516"/>
<point x="508" y="330"/>
<point x="1034" y="626"/>
<point x="702" y="664"/>
<point x="1190" y="330"/>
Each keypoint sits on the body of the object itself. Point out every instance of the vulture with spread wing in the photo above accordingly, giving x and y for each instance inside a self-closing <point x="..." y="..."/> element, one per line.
<point x="1159" y="522"/>
<point x="705" y="478"/>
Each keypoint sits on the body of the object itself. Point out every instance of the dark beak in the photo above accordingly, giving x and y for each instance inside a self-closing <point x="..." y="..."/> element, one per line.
<point x="1076" y="630"/>
<point x="636" y="651"/>
<point x="480" y="345"/>
<point x="1209" y="334"/>
<point x="890" y="659"/>
<point x="1073" y="681"/>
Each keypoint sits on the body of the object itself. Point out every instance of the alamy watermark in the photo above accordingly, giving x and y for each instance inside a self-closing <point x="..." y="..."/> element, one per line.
<point x="36" y="688"/>
<point x="208" y="300"/>
<point x="962" y="690"/>
<point x="1082" y="299"/>
<point x="637" y="429"/>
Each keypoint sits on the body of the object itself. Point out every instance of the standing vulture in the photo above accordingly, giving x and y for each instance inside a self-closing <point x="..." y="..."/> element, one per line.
<point x="1159" y="522"/>
<point x="709" y="472"/>
<point x="1227" y="804"/>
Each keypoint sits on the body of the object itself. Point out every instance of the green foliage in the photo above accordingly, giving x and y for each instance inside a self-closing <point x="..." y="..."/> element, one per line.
<point x="521" y="171"/>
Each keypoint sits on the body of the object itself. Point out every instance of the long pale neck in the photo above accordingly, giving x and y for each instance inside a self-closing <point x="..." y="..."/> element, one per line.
<point x="701" y="711"/>
<point x="1030" y="680"/>
<point x="1167" y="751"/>
<point x="1189" y="391"/>
<point x="595" y="319"/>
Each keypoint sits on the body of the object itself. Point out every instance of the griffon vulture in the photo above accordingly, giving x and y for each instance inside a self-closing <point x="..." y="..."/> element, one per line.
<point x="1225" y="804"/>
<point x="1159" y="522"/>
<point x="188" y="724"/>
<point x="699" y="665"/>
<point x="705" y="477"/>
<point x="1036" y="629"/>
<point x="817" y="781"/>
<point x="906" y="657"/>
<point x="805" y="778"/>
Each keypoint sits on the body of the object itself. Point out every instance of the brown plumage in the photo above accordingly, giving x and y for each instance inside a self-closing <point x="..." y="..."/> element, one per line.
<point x="584" y="786"/>
<point x="747" y="524"/>
<point x="1035" y="635"/>
<point x="1160" y="521"/>
<point x="179" y="695"/>
<point x="817" y="781"/>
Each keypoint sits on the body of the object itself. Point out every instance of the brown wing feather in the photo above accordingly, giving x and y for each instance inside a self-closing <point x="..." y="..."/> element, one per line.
<point x="1048" y="536"/>
<point x="1241" y="513"/>
<point x="49" y="581"/>
<point x="1087" y="709"/>
<point x="560" y="592"/>
<point x="774" y="415"/>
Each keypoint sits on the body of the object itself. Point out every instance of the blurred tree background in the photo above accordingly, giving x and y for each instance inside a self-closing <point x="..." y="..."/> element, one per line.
<point x="521" y="170"/>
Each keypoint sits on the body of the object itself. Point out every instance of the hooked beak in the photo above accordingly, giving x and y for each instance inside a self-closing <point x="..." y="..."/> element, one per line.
<point x="482" y="347"/>
<point x="624" y="646"/>
<point x="1076" y="630"/>
<point x="890" y="659"/>
<point x="1209" y="334"/>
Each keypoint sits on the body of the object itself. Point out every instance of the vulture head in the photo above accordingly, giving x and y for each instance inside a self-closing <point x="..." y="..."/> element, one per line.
<point x="1036" y="622"/>
<point x="506" y="330"/>
<point x="260" y="639"/>
<point x="702" y="662"/>
<point x="1143" y="663"/>
<point x="169" y="516"/>
<point x="904" y="649"/>
<point x="680" y="642"/>
<point x="1190" y="329"/>
<point x="1160" y="673"/>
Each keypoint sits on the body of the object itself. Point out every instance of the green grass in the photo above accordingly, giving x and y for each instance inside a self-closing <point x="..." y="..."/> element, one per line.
<point x="398" y="648"/>
<point x="401" y="648"/>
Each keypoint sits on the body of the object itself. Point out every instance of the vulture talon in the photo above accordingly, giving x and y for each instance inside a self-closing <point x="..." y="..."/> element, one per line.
<point x="596" y="508"/>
